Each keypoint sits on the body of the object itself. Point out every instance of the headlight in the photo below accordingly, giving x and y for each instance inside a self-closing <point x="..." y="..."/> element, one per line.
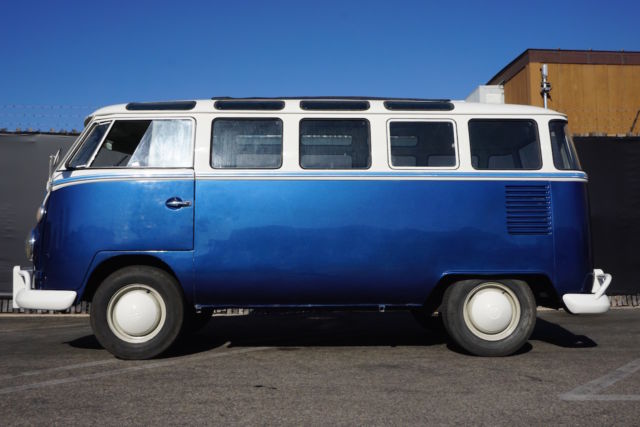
<point x="41" y="211"/>
<point x="28" y="245"/>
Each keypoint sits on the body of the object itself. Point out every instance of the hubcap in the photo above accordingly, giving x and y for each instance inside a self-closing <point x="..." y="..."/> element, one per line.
<point x="136" y="313"/>
<point x="491" y="311"/>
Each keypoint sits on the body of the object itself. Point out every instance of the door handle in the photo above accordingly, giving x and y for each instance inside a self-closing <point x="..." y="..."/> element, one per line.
<point x="177" y="203"/>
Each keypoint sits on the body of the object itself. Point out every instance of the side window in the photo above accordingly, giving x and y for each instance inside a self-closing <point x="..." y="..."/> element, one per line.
<point x="335" y="144"/>
<point x="422" y="144"/>
<point x="83" y="156"/>
<point x="564" y="152"/>
<point x="499" y="144"/>
<point x="147" y="143"/>
<point x="246" y="143"/>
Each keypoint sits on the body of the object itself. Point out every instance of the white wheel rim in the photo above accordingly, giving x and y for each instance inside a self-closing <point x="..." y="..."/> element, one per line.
<point x="136" y="313"/>
<point x="491" y="311"/>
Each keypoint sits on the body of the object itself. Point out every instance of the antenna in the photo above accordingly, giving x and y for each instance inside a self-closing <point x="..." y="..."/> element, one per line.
<point x="545" y="86"/>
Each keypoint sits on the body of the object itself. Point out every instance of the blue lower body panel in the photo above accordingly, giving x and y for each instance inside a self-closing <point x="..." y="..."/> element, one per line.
<point x="347" y="242"/>
<point x="114" y="217"/>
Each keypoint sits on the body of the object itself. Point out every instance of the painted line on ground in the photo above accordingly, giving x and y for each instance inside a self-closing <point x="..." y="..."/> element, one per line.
<point x="34" y="315"/>
<point x="139" y="367"/>
<point x="59" y="369"/>
<point x="591" y="390"/>
<point x="39" y="328"/>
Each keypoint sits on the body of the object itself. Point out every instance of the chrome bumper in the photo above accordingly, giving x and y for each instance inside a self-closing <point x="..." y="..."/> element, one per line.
<point x="26" y="297"/>
<point x="595" y="302"/>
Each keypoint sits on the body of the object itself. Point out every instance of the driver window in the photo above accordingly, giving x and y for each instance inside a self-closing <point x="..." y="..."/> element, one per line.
<point x="147" y="143"/>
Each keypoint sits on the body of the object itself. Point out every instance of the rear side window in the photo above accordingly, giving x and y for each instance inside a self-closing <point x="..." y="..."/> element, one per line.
<point x="147" y="143"/>
<point x="422" y="144"/>
<point x="247" y="143"/>
<point x="335" y="144"/>
<point x="504" y="144"/>
<point x="564" y="152"/>
<point x="89" y="146"/>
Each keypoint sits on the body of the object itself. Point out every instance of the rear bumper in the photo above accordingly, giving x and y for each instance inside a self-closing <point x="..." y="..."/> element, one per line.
<point x="593" y="303"/>
<point x="26" y="297"/>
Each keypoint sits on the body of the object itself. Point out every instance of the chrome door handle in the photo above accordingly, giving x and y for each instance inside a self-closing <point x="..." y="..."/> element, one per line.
<point x="177" y="203"/>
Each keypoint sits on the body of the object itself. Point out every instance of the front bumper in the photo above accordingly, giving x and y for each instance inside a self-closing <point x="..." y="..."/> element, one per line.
<point x="593" y="303"/>
<point x="35" y="299"/>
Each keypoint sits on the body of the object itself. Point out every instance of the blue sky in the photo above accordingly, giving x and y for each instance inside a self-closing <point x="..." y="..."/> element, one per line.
<point x="61" y="59"/>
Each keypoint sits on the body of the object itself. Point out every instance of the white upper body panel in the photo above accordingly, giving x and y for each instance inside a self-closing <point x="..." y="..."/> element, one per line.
<point x="379" y="118"/>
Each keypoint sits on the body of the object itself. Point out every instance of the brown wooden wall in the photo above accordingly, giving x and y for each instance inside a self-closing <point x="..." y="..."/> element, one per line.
<point x="597" y="98"/>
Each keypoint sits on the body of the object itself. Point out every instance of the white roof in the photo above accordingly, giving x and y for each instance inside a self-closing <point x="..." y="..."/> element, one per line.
<point x="376" y="107"/>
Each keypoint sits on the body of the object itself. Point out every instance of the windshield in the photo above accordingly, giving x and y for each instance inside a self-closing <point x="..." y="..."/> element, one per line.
<point x="88" y="147"/>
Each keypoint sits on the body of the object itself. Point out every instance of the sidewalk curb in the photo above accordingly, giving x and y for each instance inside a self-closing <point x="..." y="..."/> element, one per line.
<point x="6" y="307"/>
<point x="624" y="301"/>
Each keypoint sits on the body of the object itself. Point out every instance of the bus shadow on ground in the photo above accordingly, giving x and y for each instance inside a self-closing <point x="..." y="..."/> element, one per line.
<point x="552" y="333"/>
<point x="288" y="331"/>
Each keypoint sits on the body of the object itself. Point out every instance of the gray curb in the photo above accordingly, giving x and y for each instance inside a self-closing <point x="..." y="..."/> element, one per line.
<point x="625" y="300"/>
<point x="616" y="301"/>
<point x="6" y="306"/>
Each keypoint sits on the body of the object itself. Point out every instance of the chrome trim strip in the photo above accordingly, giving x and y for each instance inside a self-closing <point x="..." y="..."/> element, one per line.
<point x="323" y="176"/>
<point x="381" y="178"/>
<point x="65" y="182"/>
<point x="403" y="174"/>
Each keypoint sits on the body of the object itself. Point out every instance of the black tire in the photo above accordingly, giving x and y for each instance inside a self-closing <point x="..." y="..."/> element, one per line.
<point x="163" y="290"/>
<point x="462" y="329"/>
<point x="194" y="321"/>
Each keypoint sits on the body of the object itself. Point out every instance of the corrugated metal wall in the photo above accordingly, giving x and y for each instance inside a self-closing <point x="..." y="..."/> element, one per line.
<point x="611" y="163"/>
<point x="614" y="196"/>
<point x="24" y="162"/>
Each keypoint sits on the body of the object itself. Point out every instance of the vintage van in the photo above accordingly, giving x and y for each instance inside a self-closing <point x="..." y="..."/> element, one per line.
<point x="162" y="212"/>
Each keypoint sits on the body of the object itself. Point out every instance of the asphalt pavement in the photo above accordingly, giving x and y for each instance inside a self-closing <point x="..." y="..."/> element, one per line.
<point x="323" y="368"/>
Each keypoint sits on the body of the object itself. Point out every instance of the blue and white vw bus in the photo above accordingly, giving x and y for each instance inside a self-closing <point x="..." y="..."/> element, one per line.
<point x="162" y="212"/>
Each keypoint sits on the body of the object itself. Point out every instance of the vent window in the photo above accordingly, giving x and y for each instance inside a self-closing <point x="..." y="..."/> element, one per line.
<point x="343" y="105"/>
<point x="236" y="104"/>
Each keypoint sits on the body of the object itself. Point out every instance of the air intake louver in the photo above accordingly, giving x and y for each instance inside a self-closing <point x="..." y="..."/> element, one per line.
<point x="528" y="209"/>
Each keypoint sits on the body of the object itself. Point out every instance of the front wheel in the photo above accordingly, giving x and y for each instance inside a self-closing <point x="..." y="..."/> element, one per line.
<point x="137" y="312"/>
<point x="489" y="317"/>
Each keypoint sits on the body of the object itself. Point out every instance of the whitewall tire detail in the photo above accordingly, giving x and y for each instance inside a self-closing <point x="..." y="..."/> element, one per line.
<point x="491" y="311"/>
<point x="136" y="313"/>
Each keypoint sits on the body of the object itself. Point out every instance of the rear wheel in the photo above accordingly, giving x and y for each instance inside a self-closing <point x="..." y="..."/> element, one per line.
<point x="137" y="312"/>
<point x="489" y="318"/>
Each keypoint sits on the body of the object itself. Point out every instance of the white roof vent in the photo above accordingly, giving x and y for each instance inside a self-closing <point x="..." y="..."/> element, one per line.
<point x="487" y="94"/>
